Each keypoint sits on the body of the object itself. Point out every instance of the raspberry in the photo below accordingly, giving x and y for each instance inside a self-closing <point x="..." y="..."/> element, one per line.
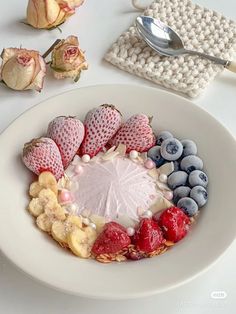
<point x="148" y="236"/>
<point x="112" y="239"/>
<point x="174" y="224"/>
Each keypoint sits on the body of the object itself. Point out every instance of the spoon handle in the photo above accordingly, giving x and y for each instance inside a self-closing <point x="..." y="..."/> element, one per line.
<point x="230" y="65"/>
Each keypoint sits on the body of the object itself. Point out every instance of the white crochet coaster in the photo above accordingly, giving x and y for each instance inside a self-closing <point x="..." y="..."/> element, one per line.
<point x="200" y="29"/>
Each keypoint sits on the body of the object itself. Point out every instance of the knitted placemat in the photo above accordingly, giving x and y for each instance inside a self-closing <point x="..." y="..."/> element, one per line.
<point x="200" y="29"/>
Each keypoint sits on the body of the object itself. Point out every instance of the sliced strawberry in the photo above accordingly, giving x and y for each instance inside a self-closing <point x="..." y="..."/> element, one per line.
<point x="42" y="154"/>
<point x="112" y="239"/>
<point x="174" y="224"/>
<point x="101" y="124"/>
<point x="68" y="134"/>
<point x="136" y="133"/>
<point x="148" y="236"/>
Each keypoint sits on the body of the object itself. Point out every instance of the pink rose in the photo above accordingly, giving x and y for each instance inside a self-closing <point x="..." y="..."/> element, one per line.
<point x="49" y="13"/>
<point x="71" y="3"/>
<point x="22" y="69"/>
<point x="68" y="59"/>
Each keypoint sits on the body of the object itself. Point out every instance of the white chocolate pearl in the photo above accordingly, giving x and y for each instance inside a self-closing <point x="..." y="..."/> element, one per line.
<point x="73" y="207"/>
<point x="85" y="158"/>
<point x="130" y="231"/>
<point x="133" y="154"/>
<point x="149" y="164"/>
<point x="86" y="221"/>
<point x="163" y="178"/>
<point x="147" y="214"/>
<point x="65" y="196"/>
<point x="79" y="169"/>
<point x="92" y="225"/>
<point x="168" y="195"/>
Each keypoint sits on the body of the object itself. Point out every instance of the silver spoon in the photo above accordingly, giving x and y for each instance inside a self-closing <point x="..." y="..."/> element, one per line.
<point x="167" y="42"/>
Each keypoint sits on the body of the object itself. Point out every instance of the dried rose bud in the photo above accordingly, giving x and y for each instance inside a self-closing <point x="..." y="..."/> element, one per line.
<point x="22" y="69"/>
<point x="67" y="59"/>
<point x="48" y="13"/>
<point x="71" y="3"/>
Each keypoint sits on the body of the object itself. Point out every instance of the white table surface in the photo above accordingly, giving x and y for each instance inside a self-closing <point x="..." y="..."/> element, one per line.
<point x="98" y="24"/>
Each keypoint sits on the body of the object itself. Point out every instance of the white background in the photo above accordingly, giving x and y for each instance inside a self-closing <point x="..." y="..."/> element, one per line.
<point x="98" y="24"/>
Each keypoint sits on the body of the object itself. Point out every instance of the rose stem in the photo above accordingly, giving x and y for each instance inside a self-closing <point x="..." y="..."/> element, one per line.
<point x="51" y="48"/>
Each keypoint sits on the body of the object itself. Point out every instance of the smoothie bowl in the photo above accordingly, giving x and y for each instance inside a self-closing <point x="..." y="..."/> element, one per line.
<point x="121" y="175"/>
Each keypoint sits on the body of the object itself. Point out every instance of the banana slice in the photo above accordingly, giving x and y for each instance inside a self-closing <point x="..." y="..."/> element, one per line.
<point x="60" y="229"/>
<point x="59" y="232"/>
<point x="72" y="223"/>
<point x="47" y="180"/>
<point x="46" y="198"/>
<point x="78" y="243"/>
<point x="35" y="207"/>
<point x="75" y="220"/>
<point x="91" y="235"/>
<point x="34" y="189"/>
<point x="46" y="195"/>
<point x="44" y="222"/>
<point x="54" y="210"/>
<point x="99" y="222"/>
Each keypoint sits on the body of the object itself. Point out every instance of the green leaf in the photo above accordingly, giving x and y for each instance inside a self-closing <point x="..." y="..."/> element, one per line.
<point x="77" y="77"/>
<point x="1" y="81"/>
<point x="54" y="27"/>
<point x="26" y="23"/>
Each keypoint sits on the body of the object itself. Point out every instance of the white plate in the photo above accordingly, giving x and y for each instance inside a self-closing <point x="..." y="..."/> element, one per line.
<point x="39" y="256"/>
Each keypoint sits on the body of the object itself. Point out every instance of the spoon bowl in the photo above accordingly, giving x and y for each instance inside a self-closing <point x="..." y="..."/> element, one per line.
<point x="164" y="40"/>
<point x="160" y="36"/>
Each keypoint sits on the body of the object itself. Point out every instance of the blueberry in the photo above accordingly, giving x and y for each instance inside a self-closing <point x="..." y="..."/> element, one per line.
<point x="180" y="192"/>
<point x="171" y="149"/>
<point x="155" y="154"/>
<point x="176" y="165"/>
<point x="191" y="163"/>
<point x="199" y="195"/>
<point x="176" y="179"/>
<point x="189" y="148"/>
<point x="163" y="136"/>
<point x="188" y="205"/>
<point x="198" y="177"/>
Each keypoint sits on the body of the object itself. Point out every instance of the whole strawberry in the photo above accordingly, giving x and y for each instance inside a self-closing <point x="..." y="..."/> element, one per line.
<point x="68" y="134"/>
<point x="112" y="239"/>
<point x="148" y="236"/>
<point x="136" y="133"/>
<point x="42" y="154"/>
<point x="174" y="224"/>
<point x="100" y="124"/>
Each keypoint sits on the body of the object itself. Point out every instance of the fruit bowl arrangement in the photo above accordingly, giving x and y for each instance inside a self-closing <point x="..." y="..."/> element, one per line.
<point x="38" y="255"/>
<point x="114" y="190"/>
